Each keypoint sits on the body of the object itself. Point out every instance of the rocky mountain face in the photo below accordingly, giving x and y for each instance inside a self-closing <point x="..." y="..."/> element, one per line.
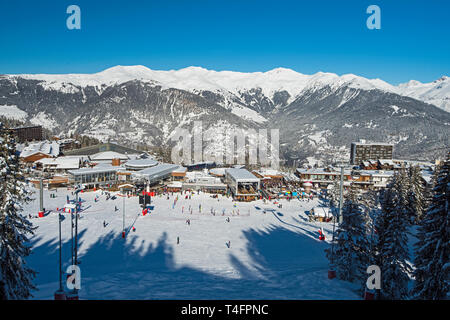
<point x="317" y="116"/>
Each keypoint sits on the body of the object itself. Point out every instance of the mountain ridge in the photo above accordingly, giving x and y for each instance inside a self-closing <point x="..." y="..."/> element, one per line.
<point x="196" y="78"/>
<point x="318" y="120"/>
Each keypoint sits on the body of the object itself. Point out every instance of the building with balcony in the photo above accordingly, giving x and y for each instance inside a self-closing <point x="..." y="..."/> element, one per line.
<point x="362" y="151"/>
<point x="242" y="184"/>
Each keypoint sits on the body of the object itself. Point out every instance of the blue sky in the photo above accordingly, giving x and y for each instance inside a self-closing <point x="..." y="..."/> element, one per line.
<point x="238" y="35"/>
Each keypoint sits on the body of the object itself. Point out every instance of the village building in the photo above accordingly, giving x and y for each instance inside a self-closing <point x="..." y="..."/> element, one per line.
<point x="242" y="184"/>
<point x="380" y="179"/>
<point x="202" y="180"/>
<point x="201" y="165"/>
<point x="387" y="164"/>
<point x="218" y="172"/>
<point x="39" y="150"/>
<point x="322" y="178"/>
<point x="361" y="179"/>
<point x="270" y="175"/>
<point x="101" y="175"/>
<point x="67" y="144"/>
<point x="363" y="151"/>
<point x="369" y="165"/>
<point x="110" y="157"/>
<point x="155" y="174"/>
<point x="423" y="165"/>
<point x="32" y="133"/>
<point x="179" y="174"/>
<point x="140" y="164"/>
<point x="59" y="165"/>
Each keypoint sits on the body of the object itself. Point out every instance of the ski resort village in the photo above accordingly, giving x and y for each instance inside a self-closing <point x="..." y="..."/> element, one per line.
<point x="106" y="221"/>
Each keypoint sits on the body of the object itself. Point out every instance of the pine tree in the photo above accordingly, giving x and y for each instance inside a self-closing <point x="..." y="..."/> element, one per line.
<point x="15" y="276"/>
<point x="392" y="239"/>
<point x="416" y="194"/>
<point x="350" y="248"/>
<point x="371" y="208"/>
<point x="432" y="272"/>
<point x="335" y="193"/>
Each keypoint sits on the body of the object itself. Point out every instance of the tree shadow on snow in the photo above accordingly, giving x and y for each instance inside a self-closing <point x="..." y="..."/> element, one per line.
<point x="281" y="264"/>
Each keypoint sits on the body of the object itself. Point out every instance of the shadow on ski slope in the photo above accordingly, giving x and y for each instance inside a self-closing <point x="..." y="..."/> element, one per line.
<point x="284" y="265"/>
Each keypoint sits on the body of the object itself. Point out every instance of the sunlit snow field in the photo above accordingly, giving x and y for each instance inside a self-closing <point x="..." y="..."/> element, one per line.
<point x="276" y="255"/>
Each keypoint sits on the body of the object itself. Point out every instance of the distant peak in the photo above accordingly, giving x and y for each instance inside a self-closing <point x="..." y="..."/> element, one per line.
<point x="195" y="69"/>
<point x="120" y="68"/>
<point x="281" y="70"/>
<point x="443" y="78"/>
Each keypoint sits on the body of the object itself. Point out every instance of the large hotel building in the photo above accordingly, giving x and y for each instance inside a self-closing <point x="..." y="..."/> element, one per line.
<point x="362" y="151"/>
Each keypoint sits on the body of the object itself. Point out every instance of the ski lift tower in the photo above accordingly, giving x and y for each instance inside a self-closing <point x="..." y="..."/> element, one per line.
<point x="41" y="198"/>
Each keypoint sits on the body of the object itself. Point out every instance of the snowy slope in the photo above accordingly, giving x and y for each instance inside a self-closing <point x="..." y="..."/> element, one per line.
<point x="436" y="92"/>
<point x="276" y="255"/>
<point x="12" y="112"/>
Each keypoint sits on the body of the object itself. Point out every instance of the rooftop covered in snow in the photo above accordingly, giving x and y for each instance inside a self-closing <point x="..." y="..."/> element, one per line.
<point x="160" y="171"/>
<point x="45" y="147"/>
<point x="60" y="163"/>
<point x="241" y="174"/>
<point x="108" y="155"/>
<point x="140" y="163"/>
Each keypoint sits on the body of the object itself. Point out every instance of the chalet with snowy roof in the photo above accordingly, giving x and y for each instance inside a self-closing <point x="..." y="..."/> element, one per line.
<point x="60" y="164"/>
<point x="39" y="150"/>
<point x="386" y="164"/>
<point x="369" y="165"/>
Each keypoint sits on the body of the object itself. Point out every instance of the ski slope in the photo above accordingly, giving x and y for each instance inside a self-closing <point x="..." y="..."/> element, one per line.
<point x="276" y="255"/>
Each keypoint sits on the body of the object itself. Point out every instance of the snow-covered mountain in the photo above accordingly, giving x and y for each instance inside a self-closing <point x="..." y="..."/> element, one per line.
<point x="195" y="79"/>
<point x="436" y="92"/>
<point x="318" y="115"/>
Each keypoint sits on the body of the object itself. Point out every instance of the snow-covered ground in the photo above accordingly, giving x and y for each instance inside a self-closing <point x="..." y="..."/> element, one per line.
<point x="276" y="255"/>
